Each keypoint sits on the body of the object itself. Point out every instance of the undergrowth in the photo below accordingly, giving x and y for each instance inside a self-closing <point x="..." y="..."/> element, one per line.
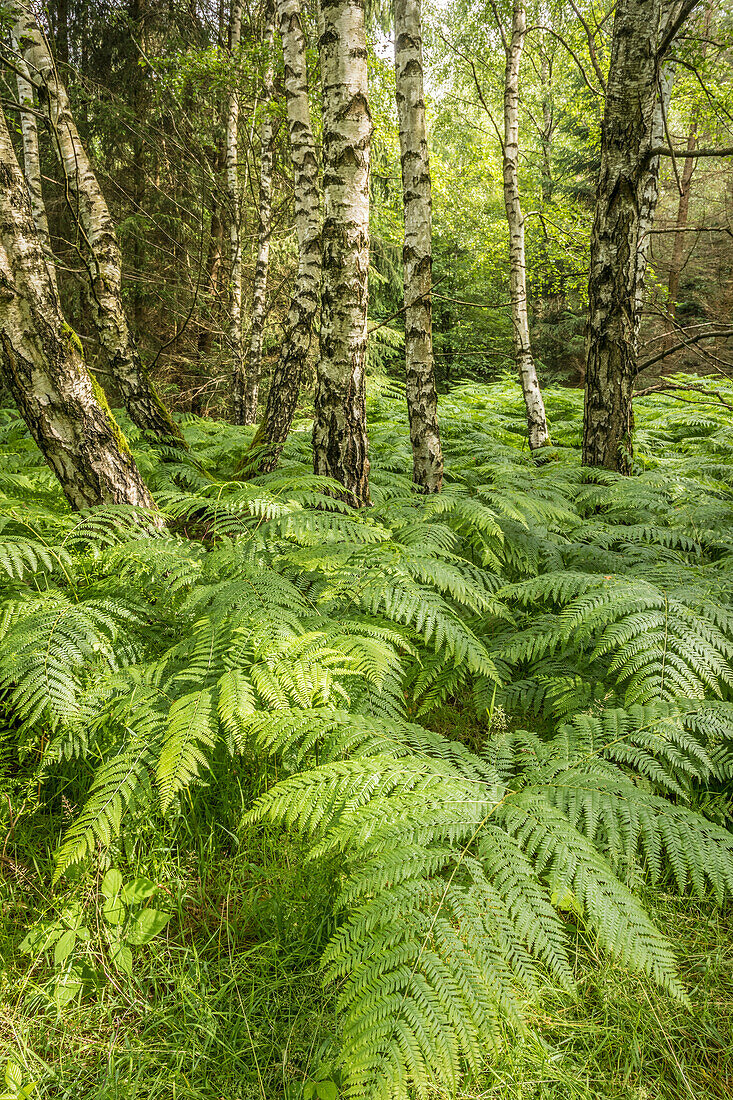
<point x="466" y="757"/>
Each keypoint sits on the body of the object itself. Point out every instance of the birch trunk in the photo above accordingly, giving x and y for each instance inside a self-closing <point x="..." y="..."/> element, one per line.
<point x="235" y="223"/>
<point x="536" y="419"/>
<point x="44" y="369"/>
<point x="259" y="289"/>
<point x="282" y="397"/>
<point x="32" y="162"/>
<point x="105" y="296"/>
<point x="340" y="448"/>
<point x="626" y="185"/>
<point x="417" y="254"/>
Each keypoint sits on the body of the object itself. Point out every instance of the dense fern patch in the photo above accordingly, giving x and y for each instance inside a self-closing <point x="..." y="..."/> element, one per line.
<point x="502" y="714"/>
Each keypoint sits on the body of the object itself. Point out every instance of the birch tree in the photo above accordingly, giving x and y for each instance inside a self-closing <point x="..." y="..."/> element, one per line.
<point x="340" y="446"/>
<point x="32" y="160"/>
<point x="625" y="200"/>
<point x="235" y="220"/>
<point x="282" y="397"/>
<point x="514" y="44"/>
<point x="267" y="163"/>
<point x="44" y="368"/>
<point x="417" y="253"/>
<point x="98" y="232"/>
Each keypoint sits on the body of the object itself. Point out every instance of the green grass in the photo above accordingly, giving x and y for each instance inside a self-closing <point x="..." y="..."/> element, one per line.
<point x="228" y="1004"/>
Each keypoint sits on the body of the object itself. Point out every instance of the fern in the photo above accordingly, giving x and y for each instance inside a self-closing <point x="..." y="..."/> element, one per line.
<point x="269" y="618"/>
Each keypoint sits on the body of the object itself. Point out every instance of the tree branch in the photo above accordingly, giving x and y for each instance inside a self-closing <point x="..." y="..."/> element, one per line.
<point x="679" y="347"/>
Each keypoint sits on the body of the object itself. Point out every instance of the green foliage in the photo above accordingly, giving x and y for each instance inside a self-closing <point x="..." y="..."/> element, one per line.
<point x="503" y="714"/>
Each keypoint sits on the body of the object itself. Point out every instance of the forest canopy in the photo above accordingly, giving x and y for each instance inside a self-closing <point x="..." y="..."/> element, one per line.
<point x="366" y="535"/>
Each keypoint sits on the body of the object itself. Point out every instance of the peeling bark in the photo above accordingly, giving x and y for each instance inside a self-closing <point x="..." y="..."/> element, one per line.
<point x="32" y="163"/>
<point x="235" y="222"/>
<point x="282" y="397"/>
<point x="536" y="418"/>
<point x="627" y="182"/>
<point x="267" y="163"/>
<point x="417" y="254"/>
<point x="105" y="292"/>
<point x="44" y="368"/>
<point x="340" y="448"/>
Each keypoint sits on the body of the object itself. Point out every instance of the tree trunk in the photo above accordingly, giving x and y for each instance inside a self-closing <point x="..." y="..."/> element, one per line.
<point x="536" y="418"/>
<point x="417" y="254"/>
<point x="105" y="297"/>
<point x="235" y="223"/>
<point x="618" y="254"/>
<point x="285" y="385"/>
<point x="32" y="163"/>
<point x="678" y="247"/>
<point x="259" y="289"/>
<point x="340" y="448"/>
<point x="44" y="368"/>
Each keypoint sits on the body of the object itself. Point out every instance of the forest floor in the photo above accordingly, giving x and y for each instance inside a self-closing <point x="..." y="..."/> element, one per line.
<point x="229" y="1004"/>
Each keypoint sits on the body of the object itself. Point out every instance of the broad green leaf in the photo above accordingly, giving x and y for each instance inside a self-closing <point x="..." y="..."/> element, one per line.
<point x="64" y="946"/>
<point x="13" y="1074"/>
<point x="146" y="925"/>
<point x="67" y="987"/>
<point x="121" y="956"/>
<point x="40" y="939"/>
<point x="326" y="1090"/>
<point x="114" y="911"/>
<point x="111" y="883"/>
<point x="138" y="890"/>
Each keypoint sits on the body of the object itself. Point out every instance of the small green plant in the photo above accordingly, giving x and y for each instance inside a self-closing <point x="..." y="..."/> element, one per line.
<point x="15" y="1087"/>
<point x="69" y="943"/>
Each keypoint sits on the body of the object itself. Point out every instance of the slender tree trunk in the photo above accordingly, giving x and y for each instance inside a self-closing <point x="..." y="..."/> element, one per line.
<point x="282" y="397"/>
<point x="340" y="448"/>
<point x="678" y="246"/>
<point x="417" y="254"/>
<point x="44" y="369"/>
<point x="32" y="163"/>
<point x="259" y="290"/>
<point x="617" y="253"/>
<point x="536" y="418"/>
<point x="145" y="407"/>
<point x="235" y="224"/>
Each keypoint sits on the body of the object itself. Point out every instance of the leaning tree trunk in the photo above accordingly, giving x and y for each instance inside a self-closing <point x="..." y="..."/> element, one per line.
<point x="44" y="369"/>
<point x="235" y="222"/>
<point x="417" y="253"/>
<point x="628" y="129"/>
<point x="282" y="397"/>
<point x="340" y="448"/>
<point x="32" y="162"/>
<point x="267" y="161"/>
<point x="105" y="297"/>
<point x="536" y="418"/>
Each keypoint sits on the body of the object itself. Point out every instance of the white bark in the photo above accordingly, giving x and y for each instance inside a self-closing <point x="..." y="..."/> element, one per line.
<point x="283" y="393"/>
<point x="98" y="230"/>
<point x="44" y="368"/>
<point x="417" y="254"/>
<point x="625" y="201"/>
<point x="259" y="289"/>
<point x="235" y="223"/>
<point x="32" y="160"/>
<point x="340" y="445"/>
<point x="536" y="417"/>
